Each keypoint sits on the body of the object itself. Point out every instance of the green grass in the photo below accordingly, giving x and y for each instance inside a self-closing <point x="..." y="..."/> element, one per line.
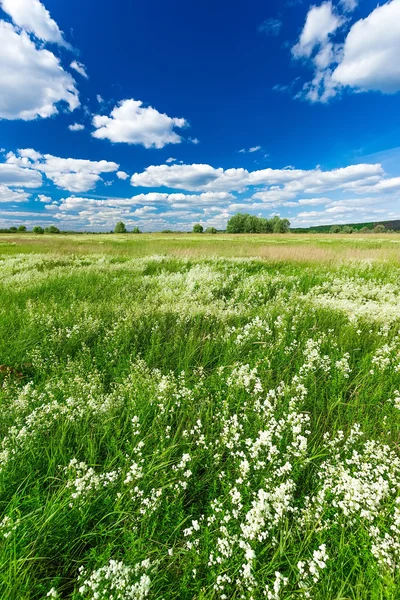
<point x="205" y="423"/>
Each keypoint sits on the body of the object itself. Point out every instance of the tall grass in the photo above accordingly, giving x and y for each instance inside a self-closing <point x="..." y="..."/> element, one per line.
<point x="198" y="428"/>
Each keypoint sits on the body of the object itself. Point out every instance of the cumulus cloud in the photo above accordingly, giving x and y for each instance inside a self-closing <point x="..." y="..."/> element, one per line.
<point x="122" y="175"/>
<point x="10" y="196"/>
<point x="76" y="127"/>
<point x="154" y="210"/>
<point x="282" y="183"/>
<point x="79" y="68"/>
<point x="74" y="175"/>
<point x="371" y="52"/>
<point x="271" y="27"/>
<point x="132" y="123"/>
<point x="14" y="175"/>
<point x="43" y="198"/>
<point x="32" y="16"/>
<point x="32" y="81"/>
<point x="321" y="22"/>
<point x="364" y="60"/>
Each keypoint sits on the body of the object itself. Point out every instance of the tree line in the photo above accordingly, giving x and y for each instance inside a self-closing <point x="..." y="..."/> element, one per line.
<point x="245" y="223"/>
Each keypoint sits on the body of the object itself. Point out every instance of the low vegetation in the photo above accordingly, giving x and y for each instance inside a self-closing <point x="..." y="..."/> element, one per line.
<point x="198" y="428"/>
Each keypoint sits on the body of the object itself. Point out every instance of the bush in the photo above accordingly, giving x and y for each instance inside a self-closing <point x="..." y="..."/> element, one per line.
<point x="365" y="230"/>
<point x="120" y="227"/>
<point x="167" y="231"/>
<point x="348" y="229"/>
<point x="335" y="229"/>
<point x="379" y="229"/>
<point x="38" y="230"/>
<point x="198" y="228"/>
<point x="13" y="230"/>
<point x="211" y="230"/>
<point x="136" y="230"/>
<point x="22" y="229"/>
<point x="52" y="229"/>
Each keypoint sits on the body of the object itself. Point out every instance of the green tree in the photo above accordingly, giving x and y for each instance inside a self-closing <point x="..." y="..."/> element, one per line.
<point x="280" y="225"/>
<point x="22" y="229"/>
<point x="236" y="224"/>
<point x="198" y="228"/>
<point x="245" y="223"/>
<point x="52" y="229"/>
<point x="335" y="229"/>
<point x="379" y="228"/>
<point x="211" y="230"/>
<point x="365" y="229"/>
<point x="136" y="230"/>
<point x="38" y="230"/>
<point x="348" y="229"/>
<point x="120" y="227"/>
<point x="13" y="230"/>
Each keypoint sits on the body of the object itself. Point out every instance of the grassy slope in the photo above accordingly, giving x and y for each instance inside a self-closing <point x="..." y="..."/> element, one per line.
<point x="78" y="329"/>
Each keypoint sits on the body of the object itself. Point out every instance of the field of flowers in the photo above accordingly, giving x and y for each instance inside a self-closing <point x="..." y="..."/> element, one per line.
<point x="197" y="429"/>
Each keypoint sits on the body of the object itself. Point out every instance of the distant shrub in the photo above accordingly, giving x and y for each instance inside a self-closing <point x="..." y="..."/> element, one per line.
<point x="120" y="227"/>
<point x="22" y="229"/>
<point x="52" y="229"/>
<point x="167" y="231"/>
<point x="198" y="228"/>
<point x="211" y="230"/>
<point x="136" y="230"/>
<point x="335" y="229"/>
<point x="365" y="230"/>
<point x="38" y="230"/>
<point x="13" y="230"/>
<point x="379" y="229"/>
<point x="348" y="229"/>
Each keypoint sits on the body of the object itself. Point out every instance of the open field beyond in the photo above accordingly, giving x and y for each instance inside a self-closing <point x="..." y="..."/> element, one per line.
<point x="288" y="247"/>
<point x="199" y="417"/>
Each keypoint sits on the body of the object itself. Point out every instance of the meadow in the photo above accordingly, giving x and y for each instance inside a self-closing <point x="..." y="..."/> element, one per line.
<point x="199" y="417"/>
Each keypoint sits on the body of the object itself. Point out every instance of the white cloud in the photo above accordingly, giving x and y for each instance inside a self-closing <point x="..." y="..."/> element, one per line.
<point x="28" y="153"/>
<point x="122" y="175"/>
<point x="321" y="22"/>
<point x="365" y="60"/>
<point x="75" y="175"/>
<point x="99" y="99"/>
<point x="79" y="68"/>
<point x="14" y="175"/>
<point x="202" y="177"/>
<point x="132" y="123"/>
<point x="76" y="127"/>
<point x="371" y="52"/>
<point x="32" y="16"/>
<point x="170" y="160"/>
<point x="9" y="196"/>
<point x="194" y="141"/>
<point x="32" y="81"/>
<point x="43" y="198"/>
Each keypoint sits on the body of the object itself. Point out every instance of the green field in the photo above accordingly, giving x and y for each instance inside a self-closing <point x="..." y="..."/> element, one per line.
<point x="199" y="417"/>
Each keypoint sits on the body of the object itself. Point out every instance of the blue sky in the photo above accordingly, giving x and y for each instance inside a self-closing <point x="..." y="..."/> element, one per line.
<point x="167" y="114"/>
